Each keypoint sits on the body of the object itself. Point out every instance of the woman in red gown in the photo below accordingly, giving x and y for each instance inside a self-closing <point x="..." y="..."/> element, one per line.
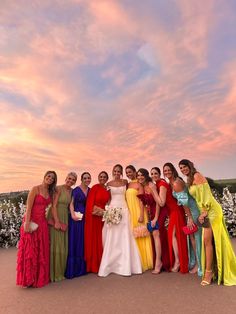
<point x="176" y="238"/>
<point x="96" y="201"/>
<point x="163" y="216"/>
<point x="33" y="250"/>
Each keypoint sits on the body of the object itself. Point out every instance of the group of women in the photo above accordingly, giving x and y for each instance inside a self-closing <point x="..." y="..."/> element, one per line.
<point x="158" y="229"/>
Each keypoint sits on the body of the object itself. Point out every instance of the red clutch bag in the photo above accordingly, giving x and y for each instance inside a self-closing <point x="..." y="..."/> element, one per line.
<point x="189" y="231"/>
<point x="51" y="222"/>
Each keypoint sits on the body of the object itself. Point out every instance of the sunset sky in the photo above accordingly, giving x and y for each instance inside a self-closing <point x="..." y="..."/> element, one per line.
<point x="85" y="84"/>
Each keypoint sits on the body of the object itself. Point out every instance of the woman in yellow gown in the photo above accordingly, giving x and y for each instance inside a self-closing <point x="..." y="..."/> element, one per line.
<point x="138" y="217"/>
<point x="216" y="239"/>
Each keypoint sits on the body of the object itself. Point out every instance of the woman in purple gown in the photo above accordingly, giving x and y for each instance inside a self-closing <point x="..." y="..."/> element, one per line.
<point x="76" y="265"/>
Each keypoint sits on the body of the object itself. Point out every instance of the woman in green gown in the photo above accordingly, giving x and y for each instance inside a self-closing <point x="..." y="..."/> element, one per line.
<point x="58" y="234"/>
<point x="218" y="258"/>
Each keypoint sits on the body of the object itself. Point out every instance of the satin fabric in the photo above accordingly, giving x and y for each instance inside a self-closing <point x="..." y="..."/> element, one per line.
<point x="144" y="243"/>
<point x="185" y="199"/>
<point x="225" y="257"/>
<point x="98" y="196"/>
<point x="120" y="254"/>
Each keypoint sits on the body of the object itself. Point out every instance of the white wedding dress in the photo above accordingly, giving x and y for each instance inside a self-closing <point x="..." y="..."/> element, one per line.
<point x="120" y="252"/>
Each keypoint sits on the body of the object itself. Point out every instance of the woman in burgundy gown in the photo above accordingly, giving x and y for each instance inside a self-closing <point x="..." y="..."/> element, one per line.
<point x="33" y="251"/>
<point x="177" y="240"/>
<point x="149" y="200"/>
<point x="96" y="201"/>
<point x="163" y="216"/>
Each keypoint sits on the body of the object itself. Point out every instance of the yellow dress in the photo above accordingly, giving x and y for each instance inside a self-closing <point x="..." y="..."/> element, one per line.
<point x="144" y="244"/>
<point x="225" y="257"/>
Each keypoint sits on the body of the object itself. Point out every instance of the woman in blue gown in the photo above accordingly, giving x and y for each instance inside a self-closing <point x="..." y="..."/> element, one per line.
<point x="180" y="192"/>
<point x="76" y="265"/>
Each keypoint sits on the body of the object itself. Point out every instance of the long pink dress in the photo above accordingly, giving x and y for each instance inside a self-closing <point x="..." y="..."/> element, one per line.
<point x="33" y="250"/>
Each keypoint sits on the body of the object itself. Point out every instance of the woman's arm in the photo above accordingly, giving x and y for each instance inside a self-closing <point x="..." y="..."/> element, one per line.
<point x="200" y="179"/>
<point x="72" y="210"/>
<point x="29" y="205"/>
<point x="153" y="190"/>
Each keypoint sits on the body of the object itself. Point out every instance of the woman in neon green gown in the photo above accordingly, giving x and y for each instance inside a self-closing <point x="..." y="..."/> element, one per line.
<point x="225" y="260"/>
<point x="138" y="217"/>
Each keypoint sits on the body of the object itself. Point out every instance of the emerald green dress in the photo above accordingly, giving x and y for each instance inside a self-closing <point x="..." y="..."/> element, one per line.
<point x="225" y="257"/>
<point x="59" y="239"/>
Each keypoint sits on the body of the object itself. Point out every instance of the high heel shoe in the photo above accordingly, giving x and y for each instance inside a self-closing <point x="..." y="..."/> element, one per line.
<point x="205" y="282"/>
<point x="157" y="270"/>
<point x="176" y="268"/>
<point x="194" y="269"/>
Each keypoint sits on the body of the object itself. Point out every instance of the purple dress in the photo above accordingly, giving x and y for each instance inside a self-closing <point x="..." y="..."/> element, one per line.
<point x="75" y="261"/>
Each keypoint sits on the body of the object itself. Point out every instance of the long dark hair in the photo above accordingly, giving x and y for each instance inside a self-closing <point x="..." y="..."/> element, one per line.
<point x="192" y="170"/>
<point x="52" y="186"/>
<point x="146" y="175"/>
<point x="173" y="169"/>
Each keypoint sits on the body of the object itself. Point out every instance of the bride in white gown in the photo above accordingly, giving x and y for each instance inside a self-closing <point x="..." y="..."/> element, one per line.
<point x="120" y="253"/>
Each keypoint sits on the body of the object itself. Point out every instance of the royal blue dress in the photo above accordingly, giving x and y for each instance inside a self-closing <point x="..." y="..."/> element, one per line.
<point x="185" y="199"/>
<point x="76" y="265"/>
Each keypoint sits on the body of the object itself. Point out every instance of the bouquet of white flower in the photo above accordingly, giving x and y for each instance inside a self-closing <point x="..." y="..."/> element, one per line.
<point x="112" y="215"/>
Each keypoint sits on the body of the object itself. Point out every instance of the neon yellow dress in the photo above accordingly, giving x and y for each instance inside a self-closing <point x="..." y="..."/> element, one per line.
<point x="225" y="257"/>
<point x="144" y="244"/>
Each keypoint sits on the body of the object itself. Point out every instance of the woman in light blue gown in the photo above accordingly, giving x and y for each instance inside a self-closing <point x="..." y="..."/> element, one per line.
<point x="180" y="192"/>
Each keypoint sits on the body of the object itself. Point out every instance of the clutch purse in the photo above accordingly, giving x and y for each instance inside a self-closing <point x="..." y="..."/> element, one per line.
<point x="150" y="228"/>
<point x="189" y="231"/>
<point x="51" y="222"/>
<point x="205" y="224"/>
<point x="33" y="226"/>
<point x="79" y="215"/>
<point x="141" y="232"/>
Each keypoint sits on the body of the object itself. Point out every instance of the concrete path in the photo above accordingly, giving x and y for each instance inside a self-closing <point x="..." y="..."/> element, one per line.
<point x="166" y="293"/>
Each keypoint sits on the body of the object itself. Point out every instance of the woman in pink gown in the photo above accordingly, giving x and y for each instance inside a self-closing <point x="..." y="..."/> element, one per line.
<point x="33" y="250"/>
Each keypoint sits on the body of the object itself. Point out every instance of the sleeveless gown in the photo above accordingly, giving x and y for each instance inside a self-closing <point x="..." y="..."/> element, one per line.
<point x="144" y="243"/>
<point x="59" y="239"/>
<point x="120" y="253"/>
<point x="76" y="265"/>
<point x="185" y="199"/>
<point x="225" y="257"/>
<point x="33" y="249"/>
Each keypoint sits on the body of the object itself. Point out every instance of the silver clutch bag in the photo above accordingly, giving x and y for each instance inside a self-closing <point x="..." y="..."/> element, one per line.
<point x="33" y="226"/>
<point x="79" y="215"/>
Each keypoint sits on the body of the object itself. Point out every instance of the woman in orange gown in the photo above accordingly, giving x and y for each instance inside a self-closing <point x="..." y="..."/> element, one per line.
<point x="96" y="201"/>
<point x="176" y="238"/>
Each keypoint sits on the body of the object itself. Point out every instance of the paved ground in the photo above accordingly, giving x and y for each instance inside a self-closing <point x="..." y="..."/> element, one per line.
<point x="166" y="293"/>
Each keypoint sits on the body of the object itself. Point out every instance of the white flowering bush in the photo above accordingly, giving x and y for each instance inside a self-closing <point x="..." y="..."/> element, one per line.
<point x="228" y="203"/>
<point x="11" y="215"/>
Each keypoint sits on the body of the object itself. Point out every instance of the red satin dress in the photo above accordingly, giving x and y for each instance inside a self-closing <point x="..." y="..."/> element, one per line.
<point x="33" y="249"/>
<point x="98" y="196"/>
<point x="176" y="220"/>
